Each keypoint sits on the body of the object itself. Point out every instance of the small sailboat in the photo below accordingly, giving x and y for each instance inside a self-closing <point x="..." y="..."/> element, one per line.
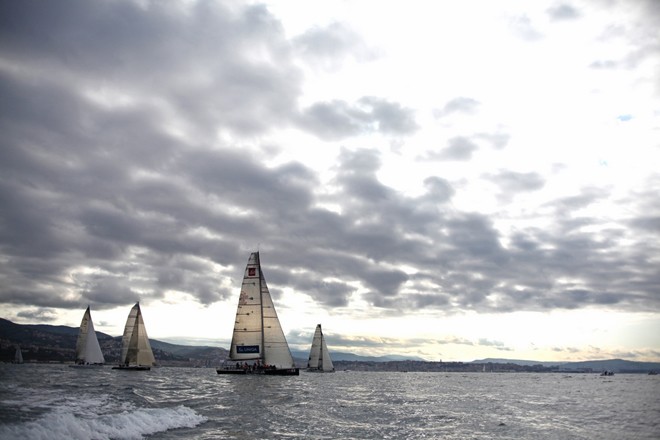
<point x="18" y="355"/>
<point x="258" y="345"/>
<point x="319" y="356"/>
<point x="136" y="351"/>
<point x="88" y="350"/>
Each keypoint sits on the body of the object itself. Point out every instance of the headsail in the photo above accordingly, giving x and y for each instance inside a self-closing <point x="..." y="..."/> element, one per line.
<point x="326" y="361"/>
<point x="257" y="333"/>
<point x="88" y="350"/>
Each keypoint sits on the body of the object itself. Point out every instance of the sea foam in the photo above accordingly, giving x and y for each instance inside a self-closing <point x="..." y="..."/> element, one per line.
<point x="126" y="425"/>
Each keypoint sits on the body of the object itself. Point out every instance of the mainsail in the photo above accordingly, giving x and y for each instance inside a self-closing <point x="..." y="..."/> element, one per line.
<point x="88" y="350"/>
<point x="319" y="356"/>
<point x="18" y="356"/>
<point x="135" y="347"/>
<point x="258" y="335"/>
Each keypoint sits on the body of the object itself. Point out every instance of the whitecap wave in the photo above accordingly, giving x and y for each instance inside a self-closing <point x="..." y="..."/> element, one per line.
<point x="126" y="425"/>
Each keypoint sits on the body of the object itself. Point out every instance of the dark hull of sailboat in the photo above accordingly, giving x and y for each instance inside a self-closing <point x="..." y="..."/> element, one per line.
<point x="132" y="367"/>
<point x="283" y="372"/>
<point x="267" y="372"/>
<point x="231" y="371"/>
<point x="86" y="366"/>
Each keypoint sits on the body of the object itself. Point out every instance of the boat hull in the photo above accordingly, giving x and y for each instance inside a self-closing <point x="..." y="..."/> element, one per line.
<point x="282" y="372"/>
<point x="231" y="371"/>
<point x="132" y="368"/>
<point x="84" y="366"/>
<point x="266" y="372"/>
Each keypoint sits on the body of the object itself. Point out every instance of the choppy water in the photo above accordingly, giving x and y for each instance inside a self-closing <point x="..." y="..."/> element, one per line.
<point x="57" y="402"/>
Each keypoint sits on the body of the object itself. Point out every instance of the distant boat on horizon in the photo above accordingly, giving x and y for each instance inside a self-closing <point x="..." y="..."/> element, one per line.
<point x="88" y="350"/>
<point x="18" y="355"/>
<point x="136" y="353"/>
<point x="258" y="344"/>
<point x="319" y="357"/>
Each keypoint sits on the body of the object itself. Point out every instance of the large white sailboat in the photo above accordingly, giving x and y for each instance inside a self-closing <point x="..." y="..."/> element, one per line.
<point x="258" y="345"/>
<point x="136" y="351"/>
<point x="319" y="356"/>
<point x="88" y="350"/>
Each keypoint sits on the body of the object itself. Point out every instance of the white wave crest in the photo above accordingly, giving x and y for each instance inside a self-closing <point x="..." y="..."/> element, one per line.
<point x="125" y="425"/>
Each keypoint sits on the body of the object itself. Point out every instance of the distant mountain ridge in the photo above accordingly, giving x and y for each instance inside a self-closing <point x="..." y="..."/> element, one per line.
<point x="617" y="365"/>
<point x="49" y="343"/>
<point x="341" y="356"/>
<point x="516" y="361"/>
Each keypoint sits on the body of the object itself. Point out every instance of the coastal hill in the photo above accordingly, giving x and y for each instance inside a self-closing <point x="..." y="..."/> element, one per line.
<point x="48" y="343"/>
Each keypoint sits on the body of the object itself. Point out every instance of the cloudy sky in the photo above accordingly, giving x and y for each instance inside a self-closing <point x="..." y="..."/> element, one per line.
<point x="451" y="180"/>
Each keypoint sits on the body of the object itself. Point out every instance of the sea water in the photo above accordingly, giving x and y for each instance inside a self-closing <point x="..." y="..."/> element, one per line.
<point x="57" y="402"/>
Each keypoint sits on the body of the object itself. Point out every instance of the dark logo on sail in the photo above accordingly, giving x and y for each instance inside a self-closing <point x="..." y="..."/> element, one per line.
<point x="252" y="271"/>
<point x="242" y="349"/>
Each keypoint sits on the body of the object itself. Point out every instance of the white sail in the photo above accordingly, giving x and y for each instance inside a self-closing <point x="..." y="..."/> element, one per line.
<point x="325" y="355"/>
<point x="18" y="356"/>
<point x="319" y="356"/>
<point x="88" y="350"/>
<point x="135" y="347"/>
<point x="257" y="333"/>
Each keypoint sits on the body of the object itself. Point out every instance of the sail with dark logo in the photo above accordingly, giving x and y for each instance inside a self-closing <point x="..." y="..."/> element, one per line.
<point x="258" y="344"/>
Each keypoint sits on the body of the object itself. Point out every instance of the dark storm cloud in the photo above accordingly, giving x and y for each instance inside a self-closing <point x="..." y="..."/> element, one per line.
<point x="37" y="315"/>
<point x="209" y="63"/>
<point x="108" y="292"/>
<point x="114" y="185"/>
<point x="337" y="119"/>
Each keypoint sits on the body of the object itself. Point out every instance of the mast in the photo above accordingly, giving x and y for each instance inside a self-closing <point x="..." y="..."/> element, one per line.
<point x="321" y="365"/>
<point x="262" y="354"/>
